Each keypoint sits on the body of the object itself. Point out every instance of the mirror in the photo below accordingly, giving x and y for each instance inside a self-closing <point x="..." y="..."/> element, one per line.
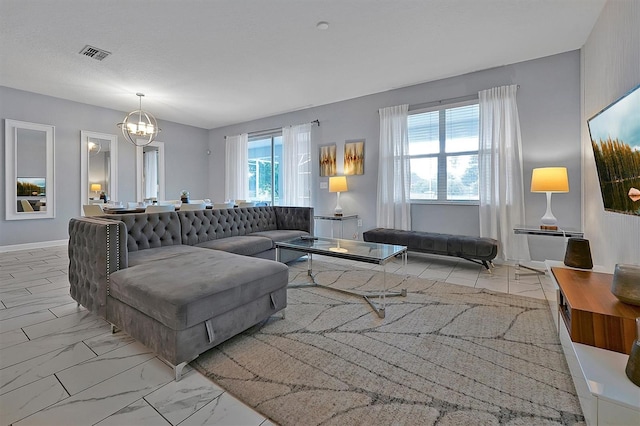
<point x="98" y="166"/>
<point x="29" y="170"/>
<point x="150" y="171"/>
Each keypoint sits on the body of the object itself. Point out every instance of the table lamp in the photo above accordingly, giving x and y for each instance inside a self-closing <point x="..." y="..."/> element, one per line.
<point x="549" y="180"/>
<point x="338" y="184"/>
<point x="97" y="188"/>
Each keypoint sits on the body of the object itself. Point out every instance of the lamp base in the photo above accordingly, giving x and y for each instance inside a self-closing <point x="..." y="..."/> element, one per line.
<point x="549" y="221"/>
<point x="338" y="210"/>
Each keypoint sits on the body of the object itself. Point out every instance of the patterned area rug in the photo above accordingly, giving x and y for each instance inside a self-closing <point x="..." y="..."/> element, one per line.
<point x="445" y="354"/>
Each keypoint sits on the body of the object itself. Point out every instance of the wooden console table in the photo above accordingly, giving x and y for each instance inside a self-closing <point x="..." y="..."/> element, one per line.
<point x="592" y="314"/>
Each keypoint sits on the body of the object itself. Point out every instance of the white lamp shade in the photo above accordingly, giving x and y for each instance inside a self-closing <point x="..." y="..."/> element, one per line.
<point x="550" y="179"/>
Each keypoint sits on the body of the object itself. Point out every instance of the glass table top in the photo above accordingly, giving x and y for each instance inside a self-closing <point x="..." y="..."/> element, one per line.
<point x="334" y="217"/>
<point x="560" y="232"/>
<point x="345" y="249"/>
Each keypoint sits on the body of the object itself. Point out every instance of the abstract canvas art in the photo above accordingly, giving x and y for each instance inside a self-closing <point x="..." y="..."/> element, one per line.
<point x="328" y="160"/>
<point x="354" y="157"/>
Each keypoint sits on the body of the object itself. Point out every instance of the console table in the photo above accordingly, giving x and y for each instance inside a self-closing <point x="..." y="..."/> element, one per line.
<point x="592" y="314"/>
<point x="535" y="230"/>
<point x="589" y="313"/>
<point x="340" y="219"/>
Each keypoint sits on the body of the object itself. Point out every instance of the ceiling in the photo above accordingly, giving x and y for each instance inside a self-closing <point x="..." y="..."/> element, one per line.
<point x="214" y="63"/>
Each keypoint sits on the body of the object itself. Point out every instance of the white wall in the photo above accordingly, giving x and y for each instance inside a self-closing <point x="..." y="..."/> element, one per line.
<point x="610" y="68"/>
<point x="185" y="148"/>
<point x="549" y="106"/>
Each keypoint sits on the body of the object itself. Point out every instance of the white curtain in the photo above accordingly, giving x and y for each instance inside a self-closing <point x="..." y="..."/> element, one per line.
<point x="394" y="173"/>
<point x="150" y="174"/>
<point x="296" y="165"/>
<point x="237" y="167"/>
<point x="500" y="172"/>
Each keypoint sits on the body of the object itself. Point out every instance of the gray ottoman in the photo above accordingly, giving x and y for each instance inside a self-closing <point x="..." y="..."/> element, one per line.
<point x="182" y="306"/>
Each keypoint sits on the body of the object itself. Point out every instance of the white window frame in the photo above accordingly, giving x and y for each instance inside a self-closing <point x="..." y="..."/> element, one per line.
<point x="442" y="155"/>
<point x="267" y="134"/>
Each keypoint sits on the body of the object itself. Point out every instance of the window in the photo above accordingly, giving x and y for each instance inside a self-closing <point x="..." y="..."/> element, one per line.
<point x="265" y="154"/>
<point x="443" y="150"/>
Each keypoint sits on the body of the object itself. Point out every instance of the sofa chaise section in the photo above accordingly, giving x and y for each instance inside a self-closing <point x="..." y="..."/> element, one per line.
<point x="185" y="305"/>
<point x="176" y="281"/>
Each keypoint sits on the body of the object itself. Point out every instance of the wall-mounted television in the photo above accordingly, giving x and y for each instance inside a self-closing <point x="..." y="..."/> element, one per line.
<point x="615" y="139"/>
<point x="31" y="187"/>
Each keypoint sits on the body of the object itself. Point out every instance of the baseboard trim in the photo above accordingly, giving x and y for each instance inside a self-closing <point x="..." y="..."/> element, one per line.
<point x="31" y="246"/>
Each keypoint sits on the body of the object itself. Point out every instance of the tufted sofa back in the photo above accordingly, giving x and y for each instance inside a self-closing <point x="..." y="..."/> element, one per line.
<point x="150" y="230"/>
<point x="199" y="226"/>
<point x="299" y="218"/>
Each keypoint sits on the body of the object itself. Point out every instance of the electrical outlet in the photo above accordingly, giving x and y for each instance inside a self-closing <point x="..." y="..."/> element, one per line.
<point x="359" y="223"/>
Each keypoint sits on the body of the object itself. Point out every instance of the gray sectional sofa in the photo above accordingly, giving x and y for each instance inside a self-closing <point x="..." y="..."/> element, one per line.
<point x="181" y="282"/>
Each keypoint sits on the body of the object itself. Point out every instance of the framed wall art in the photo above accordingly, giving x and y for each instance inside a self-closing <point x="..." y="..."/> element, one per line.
<point x="327" y="160"/>
<point x="354" y="157"/>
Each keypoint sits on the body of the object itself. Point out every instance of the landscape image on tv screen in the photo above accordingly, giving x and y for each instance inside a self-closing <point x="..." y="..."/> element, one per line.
<point x="32" y="187"/>
<point x="615" y="139"/>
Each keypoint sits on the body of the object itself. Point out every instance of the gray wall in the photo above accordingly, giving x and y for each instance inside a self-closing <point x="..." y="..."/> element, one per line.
<point x="185" y="149"/>
<point x="610" y="68"/>
<point x="549" y="107"/>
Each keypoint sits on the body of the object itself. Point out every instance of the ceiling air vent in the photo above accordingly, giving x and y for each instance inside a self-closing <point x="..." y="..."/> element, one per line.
<point x="94" y="52"/>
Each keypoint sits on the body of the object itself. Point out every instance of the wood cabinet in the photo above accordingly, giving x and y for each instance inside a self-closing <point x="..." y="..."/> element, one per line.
<point x="592" y="314"/>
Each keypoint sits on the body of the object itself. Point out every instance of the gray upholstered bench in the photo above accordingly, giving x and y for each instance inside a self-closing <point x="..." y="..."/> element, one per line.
<point x="475" y="249"/>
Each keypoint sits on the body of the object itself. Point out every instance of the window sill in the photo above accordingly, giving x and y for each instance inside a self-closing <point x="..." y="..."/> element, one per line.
<point x="446" y="203"/>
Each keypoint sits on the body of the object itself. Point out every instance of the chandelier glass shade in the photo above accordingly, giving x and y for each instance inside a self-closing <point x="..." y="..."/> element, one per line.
<point x="139" y="127"/>
<point x="94" y="147"/>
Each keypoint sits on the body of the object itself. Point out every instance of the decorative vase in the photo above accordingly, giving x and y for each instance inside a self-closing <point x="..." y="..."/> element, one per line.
<point x="626" y="283"/>
<point x="578" y="254"/>
<point x="633" y="364"/>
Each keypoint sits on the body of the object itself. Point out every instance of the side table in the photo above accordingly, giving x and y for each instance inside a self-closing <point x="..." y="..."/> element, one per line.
<point x="339" y="219"/>
<point x="533" y="230"/>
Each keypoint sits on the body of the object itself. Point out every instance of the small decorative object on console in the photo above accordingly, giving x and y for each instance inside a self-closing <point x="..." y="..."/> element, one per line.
<point x="633" y="364"/>
<point x="578" y="254"/>
<point x="184" y="196"/>
<point x="626" y="283"/>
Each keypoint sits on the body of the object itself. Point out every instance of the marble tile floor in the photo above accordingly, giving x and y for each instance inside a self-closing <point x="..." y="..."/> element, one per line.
<point x="59" y="364"/>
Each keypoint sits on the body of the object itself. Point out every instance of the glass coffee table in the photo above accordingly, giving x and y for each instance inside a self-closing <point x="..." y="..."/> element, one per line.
<point x="379" y="254"/>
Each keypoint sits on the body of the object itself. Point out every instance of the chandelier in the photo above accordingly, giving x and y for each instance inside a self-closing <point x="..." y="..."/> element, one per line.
<point x="94" y="147"/>
<point x="143" y="131"/>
